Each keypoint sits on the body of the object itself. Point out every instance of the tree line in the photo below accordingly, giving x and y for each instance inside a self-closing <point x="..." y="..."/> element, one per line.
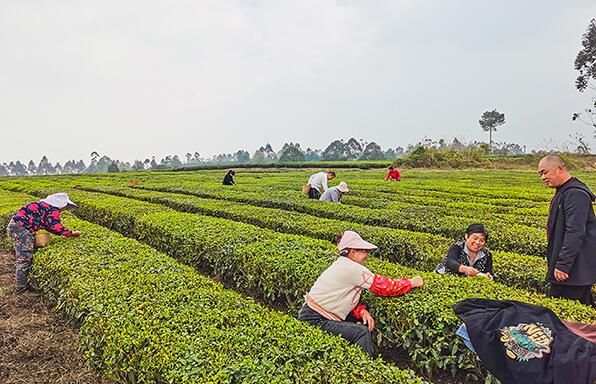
<point x="338" y="150"/>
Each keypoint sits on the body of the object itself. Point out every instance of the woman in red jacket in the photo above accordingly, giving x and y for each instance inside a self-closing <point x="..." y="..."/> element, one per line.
<point x="333" y="302"/>
<point x="393" y="174"/>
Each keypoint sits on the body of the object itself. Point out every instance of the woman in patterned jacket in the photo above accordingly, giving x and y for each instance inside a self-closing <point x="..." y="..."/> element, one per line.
<point x="469" y="257"/>
<point x="33" y="217"/>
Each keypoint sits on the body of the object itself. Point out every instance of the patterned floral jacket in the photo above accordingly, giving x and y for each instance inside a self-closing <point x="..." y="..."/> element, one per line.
<point x="41" y="215"/>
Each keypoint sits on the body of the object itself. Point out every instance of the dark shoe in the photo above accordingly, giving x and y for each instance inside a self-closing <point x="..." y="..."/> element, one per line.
<point x="22" y="289"/>
<point x="34" y="289"/>
<point x="28" y="288"/>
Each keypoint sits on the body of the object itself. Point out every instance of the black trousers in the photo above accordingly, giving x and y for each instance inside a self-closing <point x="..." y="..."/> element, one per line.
<point x="581" y="293"/>
<point x="314" y="194"/>
<point x="355" y="333"/>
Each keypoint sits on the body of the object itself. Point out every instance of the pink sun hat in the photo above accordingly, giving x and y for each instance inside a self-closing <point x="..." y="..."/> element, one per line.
<point x="352" y="240"/>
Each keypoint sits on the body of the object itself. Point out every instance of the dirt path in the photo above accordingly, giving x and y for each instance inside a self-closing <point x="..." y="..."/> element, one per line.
<point x="36" y="346"/>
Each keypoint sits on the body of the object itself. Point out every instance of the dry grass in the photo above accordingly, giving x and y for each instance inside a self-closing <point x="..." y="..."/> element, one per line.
<point x="36" y="346"/>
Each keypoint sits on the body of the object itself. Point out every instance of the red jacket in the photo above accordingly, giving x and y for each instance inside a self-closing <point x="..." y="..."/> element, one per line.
<point x="393" y="175"/>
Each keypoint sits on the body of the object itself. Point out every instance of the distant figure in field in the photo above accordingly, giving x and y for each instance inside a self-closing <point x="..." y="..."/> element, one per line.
<point x="393" y="174"/>
<point x="469" y="257"/>
<point x="333" y="302"/>
<point x="334" y="194"/>
<point x="571" y="233"/>
<point x="31" y="218"/>
<point x="317" y="184"/>
<point x="229" y="178"/>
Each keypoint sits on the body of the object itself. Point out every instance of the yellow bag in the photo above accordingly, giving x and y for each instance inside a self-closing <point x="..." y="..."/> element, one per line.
<point x="305" y="190"/>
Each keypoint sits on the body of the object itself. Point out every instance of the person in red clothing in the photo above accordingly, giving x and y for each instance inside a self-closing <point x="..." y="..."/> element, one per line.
<point x="333" y="302"/>
<point x="393" y="174"/>
<point x="33" y="217"/>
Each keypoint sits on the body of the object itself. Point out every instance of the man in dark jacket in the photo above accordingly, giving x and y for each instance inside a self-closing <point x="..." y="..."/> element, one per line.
<point x="571" y="233"/>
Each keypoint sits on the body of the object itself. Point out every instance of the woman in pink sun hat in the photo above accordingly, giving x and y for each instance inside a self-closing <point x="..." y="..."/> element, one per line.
<point x="333" y="302"/>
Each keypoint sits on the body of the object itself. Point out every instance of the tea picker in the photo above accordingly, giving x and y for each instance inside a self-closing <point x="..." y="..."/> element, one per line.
<point x="33" y="217"/>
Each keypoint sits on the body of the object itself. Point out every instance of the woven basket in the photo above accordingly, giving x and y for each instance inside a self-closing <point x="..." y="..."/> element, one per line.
<point x="42" y="240"/>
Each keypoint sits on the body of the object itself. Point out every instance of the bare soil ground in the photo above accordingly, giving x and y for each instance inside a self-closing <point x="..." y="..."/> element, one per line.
<point x="36" y="345"/>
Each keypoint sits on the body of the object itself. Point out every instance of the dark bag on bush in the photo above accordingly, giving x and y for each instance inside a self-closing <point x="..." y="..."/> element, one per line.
<point x="524" y="343"/>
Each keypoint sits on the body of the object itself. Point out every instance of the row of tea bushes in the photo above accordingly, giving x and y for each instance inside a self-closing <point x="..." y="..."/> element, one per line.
<point x="147" y="318"/>
<point x="504" y="236"/>
<point x="418" y="250"/>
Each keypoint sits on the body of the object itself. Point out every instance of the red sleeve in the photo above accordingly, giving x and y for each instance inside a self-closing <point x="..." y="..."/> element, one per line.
<point x="357" y="312"/>
<point x="383" y="286"/>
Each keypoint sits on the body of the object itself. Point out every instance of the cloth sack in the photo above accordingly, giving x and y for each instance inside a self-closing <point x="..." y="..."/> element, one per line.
<point x="305" y="190"/>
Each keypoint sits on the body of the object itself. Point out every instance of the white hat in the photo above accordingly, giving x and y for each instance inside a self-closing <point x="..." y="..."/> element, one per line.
<point x="352" y="240"/>
<point x="59" y="200"/>
<point x="343" y="187"/>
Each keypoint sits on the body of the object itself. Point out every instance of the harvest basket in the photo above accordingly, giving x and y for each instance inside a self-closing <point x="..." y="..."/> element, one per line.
<point x="42" y="239"/>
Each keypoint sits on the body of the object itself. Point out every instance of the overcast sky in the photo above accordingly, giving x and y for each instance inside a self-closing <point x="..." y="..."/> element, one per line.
<point x="131" y="79"/>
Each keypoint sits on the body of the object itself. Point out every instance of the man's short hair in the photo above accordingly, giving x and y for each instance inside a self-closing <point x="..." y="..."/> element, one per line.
<point x="554" y="160"/>
<point x="332" y="173"/>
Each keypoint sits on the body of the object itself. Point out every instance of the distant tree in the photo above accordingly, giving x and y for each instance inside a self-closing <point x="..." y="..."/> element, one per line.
<point x="264" y="155"/>
<point x="258" y="157"/>
<point x="58" y="168"/>
<point x="113" y="167"/>
<point x="372" y="151"/>
<point x="241" y="157"/>
<point x="153" y="163"/>
<point x="489" y="121"/>
<point x="147" y="163"/>
<point x="188" y="157"/>
<point x="32" y="168"/>
<point x="312" y="155"/>
<point x="585" y="63"/>
<point x="196" y="158"/>
<point x="138" y="165"/>
<point x="353" y="149"/>
<point x="175" y="163"/>
<point x="103" y="163"/>
<point x="508" y="149"/>
<point x="19" y="169"/>
<point x="69" y="167"/>
<point x="335" y="151"/>
<point x="45" y="167"/>
<point x="11" y="169"/>
<point x="390" y="154"/>
<point x="4" y="170"/>
<point x="124" y="166"/>
<point x="166" y="161"/>
<point x="291" y="154"/>
<point x="80" y="166"/>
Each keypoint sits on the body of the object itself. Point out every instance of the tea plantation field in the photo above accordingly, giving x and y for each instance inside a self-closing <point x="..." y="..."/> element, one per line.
<point x="180" y="279"/>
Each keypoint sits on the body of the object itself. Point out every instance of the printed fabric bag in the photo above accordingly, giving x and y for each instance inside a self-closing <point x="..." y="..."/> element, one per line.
<point x="525" y="343"/>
